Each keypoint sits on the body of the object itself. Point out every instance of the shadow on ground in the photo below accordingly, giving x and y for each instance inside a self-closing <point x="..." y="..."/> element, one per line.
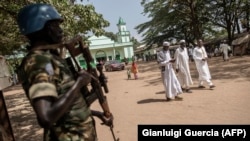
<point x="22" y="117"/>
<point x="237" y="67"/>
<point x="150" y="100"/>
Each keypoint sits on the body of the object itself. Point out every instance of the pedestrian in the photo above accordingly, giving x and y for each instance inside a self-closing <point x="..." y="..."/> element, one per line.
<point x="190" y="53"/>
<point x="14" y="78"/>
<point x="216" y="52"/>
<point x="169" y="79"/>
<point x="49" y="84"/>
<point x="129" y="73"/>
<point x="200" y="57"/>
<point x="126" y="61"/>
<point x="134" y="69"/>
<point x="182" y="67"/>
<point x="224" y="48"/>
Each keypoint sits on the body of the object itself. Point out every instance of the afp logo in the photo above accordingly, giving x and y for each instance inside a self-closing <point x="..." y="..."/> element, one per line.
<point x="233" y="133"/>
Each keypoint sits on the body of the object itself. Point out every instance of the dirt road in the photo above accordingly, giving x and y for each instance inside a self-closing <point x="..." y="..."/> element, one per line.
<point x="142" y="101"/>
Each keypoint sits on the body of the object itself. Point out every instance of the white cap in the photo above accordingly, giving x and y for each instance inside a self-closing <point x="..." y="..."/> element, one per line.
<point x="165" y="43"/>
<point x="182" y="41"/>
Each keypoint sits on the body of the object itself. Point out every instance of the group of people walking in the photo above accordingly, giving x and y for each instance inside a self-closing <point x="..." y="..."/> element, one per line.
<point x="175" y="71"/>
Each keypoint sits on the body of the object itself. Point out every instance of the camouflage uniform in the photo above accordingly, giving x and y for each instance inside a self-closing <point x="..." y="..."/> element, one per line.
<point x="44" y="74"/>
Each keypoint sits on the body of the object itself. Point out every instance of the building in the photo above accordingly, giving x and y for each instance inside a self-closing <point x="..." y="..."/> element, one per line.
<point x="104" y="49"/>
<point x="241" y="45"/>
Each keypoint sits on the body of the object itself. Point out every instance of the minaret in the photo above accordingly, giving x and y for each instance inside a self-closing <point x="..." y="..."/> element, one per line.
<point x="123" y="35"/>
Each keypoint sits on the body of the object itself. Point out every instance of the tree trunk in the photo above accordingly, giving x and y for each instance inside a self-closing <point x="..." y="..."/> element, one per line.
<point x="247" y="16"/>
<point x="237" y="25"/>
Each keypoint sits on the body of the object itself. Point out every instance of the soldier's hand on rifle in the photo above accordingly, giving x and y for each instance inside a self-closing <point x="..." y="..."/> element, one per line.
<point x="84" y="77"/>
<point x="107" y="121"/>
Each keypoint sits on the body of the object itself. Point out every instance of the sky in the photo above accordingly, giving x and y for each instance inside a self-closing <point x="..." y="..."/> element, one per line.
<point x="129" y="10"/>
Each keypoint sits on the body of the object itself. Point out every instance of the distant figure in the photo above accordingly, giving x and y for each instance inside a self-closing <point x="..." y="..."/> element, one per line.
<point x="134" y="69"/>
<point x="224" y="47"/>
<point x="126" y="61"/>
<point x="129" y="73"/>
<point x="14" y="79"/>
<point x="200" y="58"/>
<point x="135" y="58"/>
<point x="190" y="53"/>
<point x="169" y="79"/>
<point x="216" y="52"/>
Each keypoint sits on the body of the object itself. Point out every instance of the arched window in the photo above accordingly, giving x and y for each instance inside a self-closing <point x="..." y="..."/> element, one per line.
<point x="117" y="55"/>
<point x="100" y="55"/>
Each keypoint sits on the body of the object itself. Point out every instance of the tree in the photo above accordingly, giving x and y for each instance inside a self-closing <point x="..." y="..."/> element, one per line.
<point x="78" y="18"/>
<point x="172" y="19"/>
<point x="245" y="21"/>
<point x="192" y="19"/>
<point x="226" y="14"/>
<point x="135" y="43"/>
<point x="111" y="35"/>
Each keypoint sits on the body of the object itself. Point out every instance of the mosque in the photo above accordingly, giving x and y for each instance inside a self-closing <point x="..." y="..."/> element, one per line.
<point x="104" y="49"/>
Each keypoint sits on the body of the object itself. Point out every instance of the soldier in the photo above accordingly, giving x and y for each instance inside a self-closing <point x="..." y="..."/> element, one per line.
<point x="48" y="83"/>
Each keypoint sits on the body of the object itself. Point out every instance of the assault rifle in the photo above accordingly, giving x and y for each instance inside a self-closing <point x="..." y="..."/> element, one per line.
<point x="97" y="82"/>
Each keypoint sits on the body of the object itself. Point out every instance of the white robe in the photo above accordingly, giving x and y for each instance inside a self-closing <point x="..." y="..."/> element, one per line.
<point x="170" y="81"/>
<point x="224" y="48"/>
<point x="182" y="63"/>
<point x="202" y="67"/>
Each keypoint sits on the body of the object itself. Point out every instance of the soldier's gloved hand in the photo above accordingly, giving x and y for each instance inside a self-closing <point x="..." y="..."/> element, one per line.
<point x="177" y="70"/>
<point x="84" y="77"/>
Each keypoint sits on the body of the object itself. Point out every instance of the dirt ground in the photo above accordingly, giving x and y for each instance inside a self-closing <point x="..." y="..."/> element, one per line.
<point x="142" y="101"/>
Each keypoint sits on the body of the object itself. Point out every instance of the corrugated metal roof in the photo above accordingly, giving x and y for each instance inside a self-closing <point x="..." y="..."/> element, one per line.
<point x="241" y="40"/>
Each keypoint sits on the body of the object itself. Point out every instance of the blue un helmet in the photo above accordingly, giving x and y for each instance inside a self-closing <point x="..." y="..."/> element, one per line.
<point x="33" y="17"/>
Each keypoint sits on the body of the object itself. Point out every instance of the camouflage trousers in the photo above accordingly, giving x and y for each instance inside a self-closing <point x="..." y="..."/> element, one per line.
<point x="85" y="132"/>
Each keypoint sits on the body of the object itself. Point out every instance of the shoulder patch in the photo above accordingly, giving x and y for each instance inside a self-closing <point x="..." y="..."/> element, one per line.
<point x="49" y="69"/>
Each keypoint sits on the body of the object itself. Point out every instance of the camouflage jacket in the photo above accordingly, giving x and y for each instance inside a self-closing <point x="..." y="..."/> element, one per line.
<point x="44" y="74"/>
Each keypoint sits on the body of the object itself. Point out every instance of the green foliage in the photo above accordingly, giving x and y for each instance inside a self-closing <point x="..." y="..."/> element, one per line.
<point x="171" y="19"/>
<point x="135" y="43"/>
<point x="191" y="19"/>
<point x="78" y="18"/>
<point x="111" y="35"/>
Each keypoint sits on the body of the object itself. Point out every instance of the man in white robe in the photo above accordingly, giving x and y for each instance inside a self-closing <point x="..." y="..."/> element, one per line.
<point x="224" y="47"/>
<point x="200" y="57"/>
<point x="182" y="67"/>
<point x="170" y="81"/>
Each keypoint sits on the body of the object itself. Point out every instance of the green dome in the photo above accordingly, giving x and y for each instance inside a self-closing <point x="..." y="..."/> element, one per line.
<point x="121" y="22"/>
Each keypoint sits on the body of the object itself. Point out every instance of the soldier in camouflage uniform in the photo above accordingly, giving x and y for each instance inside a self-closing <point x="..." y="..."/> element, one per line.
<point x="49" y="84"/>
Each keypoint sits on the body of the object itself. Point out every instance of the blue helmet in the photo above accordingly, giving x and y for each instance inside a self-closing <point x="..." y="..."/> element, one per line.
<point x="33" y="17"/>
